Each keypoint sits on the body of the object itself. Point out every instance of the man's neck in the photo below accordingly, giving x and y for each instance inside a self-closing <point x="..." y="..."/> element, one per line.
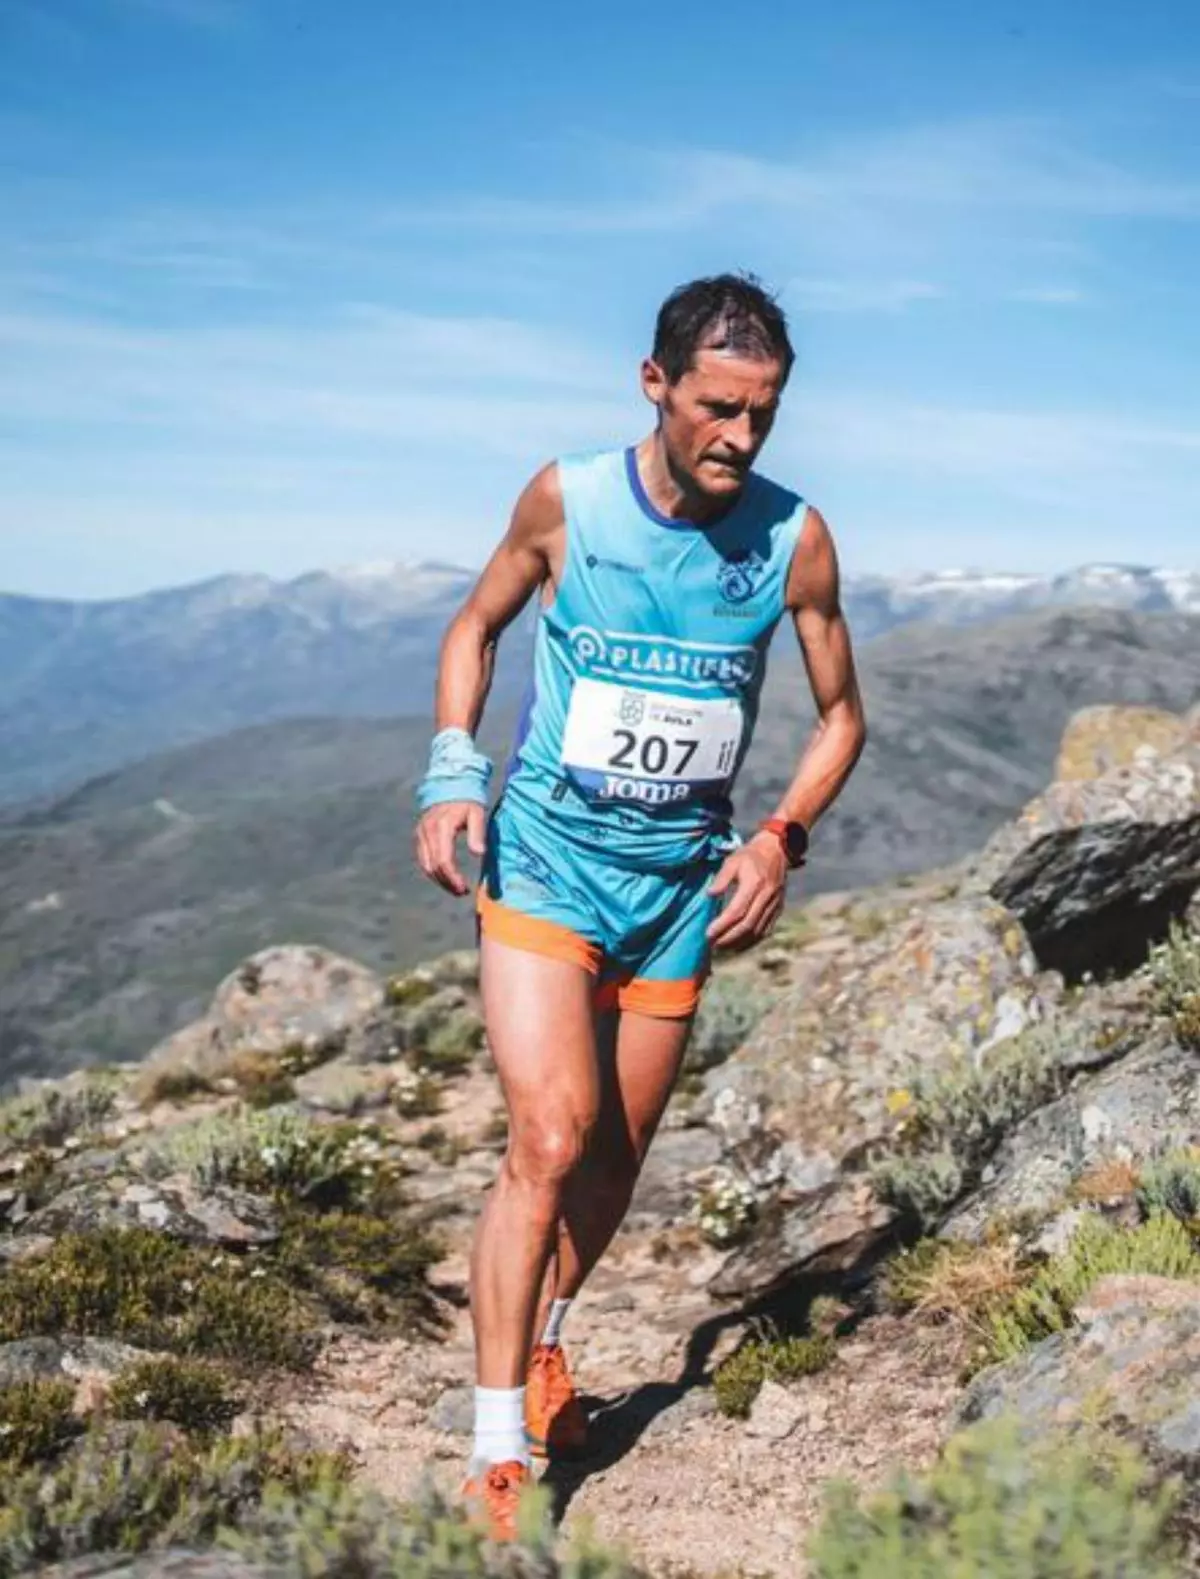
<point x="670" y="493"/>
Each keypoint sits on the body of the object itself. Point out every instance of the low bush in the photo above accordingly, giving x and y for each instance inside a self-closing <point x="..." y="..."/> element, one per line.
<point x="725" y="1209"/>
<point x="340" y="1531"/>
<point x="453" y="1042"/>
<point x="281" y="1153"/>
<point x="1046" y="1302"/>
<point x="953" y="1119"/>
<point x="193" y="1394"/>
<point x="49" y="1115"/>
<point x="1171" y="1183"/>
<point x="137" y="1285"/>
<point x="36" y="1422"/>
<point x="738" y="1380"/>
<point x="416" y="1093"/>
<point x="360" y="1268"/>
<point x="129" y="1488"/>
<point x="262" y="1079"/>
<point x="1175" y="971"/>
<point x="173" y="1083"/>
<point x="999" y="1507"/>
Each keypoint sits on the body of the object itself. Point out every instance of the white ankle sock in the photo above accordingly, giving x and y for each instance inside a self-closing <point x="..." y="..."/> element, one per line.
<point x="554" y="1321"/>
<point x="499" y="1426"/>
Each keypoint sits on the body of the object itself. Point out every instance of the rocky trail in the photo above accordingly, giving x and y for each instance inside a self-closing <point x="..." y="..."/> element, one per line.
<point x="932" y="1172"/>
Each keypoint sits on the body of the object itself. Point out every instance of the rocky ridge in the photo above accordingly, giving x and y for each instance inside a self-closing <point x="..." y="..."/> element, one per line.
<point x="930" y="1170"/>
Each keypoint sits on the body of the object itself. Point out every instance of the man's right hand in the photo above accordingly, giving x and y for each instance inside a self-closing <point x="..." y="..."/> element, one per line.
<point x="436" y="836"/>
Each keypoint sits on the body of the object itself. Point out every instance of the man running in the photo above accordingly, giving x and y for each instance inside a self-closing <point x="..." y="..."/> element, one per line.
<point x="610" y="864"/>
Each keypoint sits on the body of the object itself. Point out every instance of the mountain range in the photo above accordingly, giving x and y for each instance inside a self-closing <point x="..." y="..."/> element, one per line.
<point x="86" y="687"/>
<point x="126" y="900"/>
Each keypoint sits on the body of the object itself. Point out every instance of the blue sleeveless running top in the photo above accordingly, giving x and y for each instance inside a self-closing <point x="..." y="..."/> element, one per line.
<point x="648" y="665"/>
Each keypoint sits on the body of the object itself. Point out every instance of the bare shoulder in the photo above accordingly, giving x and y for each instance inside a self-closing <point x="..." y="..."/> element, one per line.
<point x="538" y="519"/>
<point x="813" y="576"/>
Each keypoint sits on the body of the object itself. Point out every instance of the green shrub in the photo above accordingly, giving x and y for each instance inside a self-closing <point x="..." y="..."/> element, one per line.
<point x="175" y="1083"/>
<point x="416" y="1093"/>
<point x="49" y="1115"/>
<point x="725" y="1209"/>
<point x="129" y="1488"/>
<point x="36" y="1422"/>
<point x="925" y="1185"/>
<point x="730" y="1009"/>
<point x="955" y="1117"/>
<point x="262" y="1079"/>
<point x="1171" y="1183"/>
<point x="1046" y="1304"/>
<point x="191" y="1393"/>
<point x="362" y="1269"/>
<point x="999" y="1507"/>
<point x="405" y="992"/>
<point x="739" y="1379"/>
<point x="340" y="1531"/>
<point x="1175" y="972"/>
<point x="153" y="1292"/>
<point x="905" y="1277"/>
<point x="451" y="1045"/>
<point x="280" y="1153"/>
<point x="443" y="1147"/>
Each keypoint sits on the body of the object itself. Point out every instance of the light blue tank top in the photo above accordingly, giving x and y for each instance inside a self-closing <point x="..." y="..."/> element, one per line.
<point x="648" y="665"/>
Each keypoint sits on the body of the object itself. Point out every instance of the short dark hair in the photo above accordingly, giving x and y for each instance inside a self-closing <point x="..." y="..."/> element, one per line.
<point x="727" y="312"/>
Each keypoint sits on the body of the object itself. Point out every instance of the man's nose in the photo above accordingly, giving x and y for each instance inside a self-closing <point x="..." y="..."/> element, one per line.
<point x="739" y="434"/>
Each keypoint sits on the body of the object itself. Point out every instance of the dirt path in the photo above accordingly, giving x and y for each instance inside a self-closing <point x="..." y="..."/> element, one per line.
<point x="670" y="1480"/>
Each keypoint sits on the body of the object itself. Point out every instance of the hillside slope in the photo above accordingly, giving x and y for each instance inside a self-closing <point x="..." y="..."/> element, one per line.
<point x="127" y="899"/>
<point x="87" y="687"/>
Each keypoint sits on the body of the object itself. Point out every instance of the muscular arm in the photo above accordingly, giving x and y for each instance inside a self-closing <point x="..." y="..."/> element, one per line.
<point x="836" y="743"/>
<point x="757" y="873"/>
<point x="529" y="555"/>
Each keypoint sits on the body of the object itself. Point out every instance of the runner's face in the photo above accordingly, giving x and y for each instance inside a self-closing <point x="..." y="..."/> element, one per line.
<point x="716" y="418"/>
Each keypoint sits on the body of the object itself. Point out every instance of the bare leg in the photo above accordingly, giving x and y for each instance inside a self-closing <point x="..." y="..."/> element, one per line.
<point x="539" y="1019"/>
<point x="640" y="1057"/>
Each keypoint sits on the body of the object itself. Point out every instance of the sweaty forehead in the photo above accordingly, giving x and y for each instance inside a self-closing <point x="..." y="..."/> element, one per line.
<point x="717" y="374"/>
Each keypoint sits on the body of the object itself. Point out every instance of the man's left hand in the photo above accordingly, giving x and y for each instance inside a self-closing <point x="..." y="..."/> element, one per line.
<point x="757" y="875"/>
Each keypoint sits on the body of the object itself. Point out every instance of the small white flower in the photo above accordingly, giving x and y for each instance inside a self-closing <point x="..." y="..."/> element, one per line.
<point x="259" y="1272"/>
<point x="141" y="1399"/>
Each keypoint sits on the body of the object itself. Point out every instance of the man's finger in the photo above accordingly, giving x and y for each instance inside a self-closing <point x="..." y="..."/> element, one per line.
<point x="752" y="925"/>
<point x="733" y="911"/>
<point x="727" y="874"/>
<point x="476" y="827"/>
<point x="445" y="860"/>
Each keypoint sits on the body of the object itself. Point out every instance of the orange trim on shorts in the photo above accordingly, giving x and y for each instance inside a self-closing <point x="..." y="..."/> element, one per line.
<point x="536" y="935"/>
<point x="664" y="1000"/>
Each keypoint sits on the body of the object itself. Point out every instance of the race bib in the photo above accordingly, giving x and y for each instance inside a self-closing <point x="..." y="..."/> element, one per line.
<point x="624" y="743"/>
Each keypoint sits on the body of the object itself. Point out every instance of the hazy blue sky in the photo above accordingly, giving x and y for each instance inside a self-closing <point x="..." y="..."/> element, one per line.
<point x="288" y="283"/>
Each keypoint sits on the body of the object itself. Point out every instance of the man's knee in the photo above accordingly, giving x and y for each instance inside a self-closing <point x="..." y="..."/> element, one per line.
<point x="549" y="1148"/>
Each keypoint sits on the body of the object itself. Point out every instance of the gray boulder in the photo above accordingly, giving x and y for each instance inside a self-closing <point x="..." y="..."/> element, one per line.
<point x="1130" y="1364"/>
<point x="290" y="996"/>
<point x="1096" y="867"/>
<point x="802" y="1105"/>
<point x="218" y="1215"/>
<point x="1147" y="1102"/>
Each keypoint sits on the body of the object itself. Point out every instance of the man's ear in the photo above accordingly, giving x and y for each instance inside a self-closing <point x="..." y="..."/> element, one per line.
<point x="654" y="381"/>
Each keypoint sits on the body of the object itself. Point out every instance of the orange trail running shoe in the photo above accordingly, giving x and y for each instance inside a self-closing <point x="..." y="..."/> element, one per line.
<point x="493" y="1496"/>
<point x="555" y="1422"/>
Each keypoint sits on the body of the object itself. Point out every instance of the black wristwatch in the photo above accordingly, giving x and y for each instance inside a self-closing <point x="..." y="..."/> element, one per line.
<point x="792" y="836"/>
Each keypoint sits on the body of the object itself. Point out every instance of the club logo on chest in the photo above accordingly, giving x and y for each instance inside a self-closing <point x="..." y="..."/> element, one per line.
<point x="740" y="575"/>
